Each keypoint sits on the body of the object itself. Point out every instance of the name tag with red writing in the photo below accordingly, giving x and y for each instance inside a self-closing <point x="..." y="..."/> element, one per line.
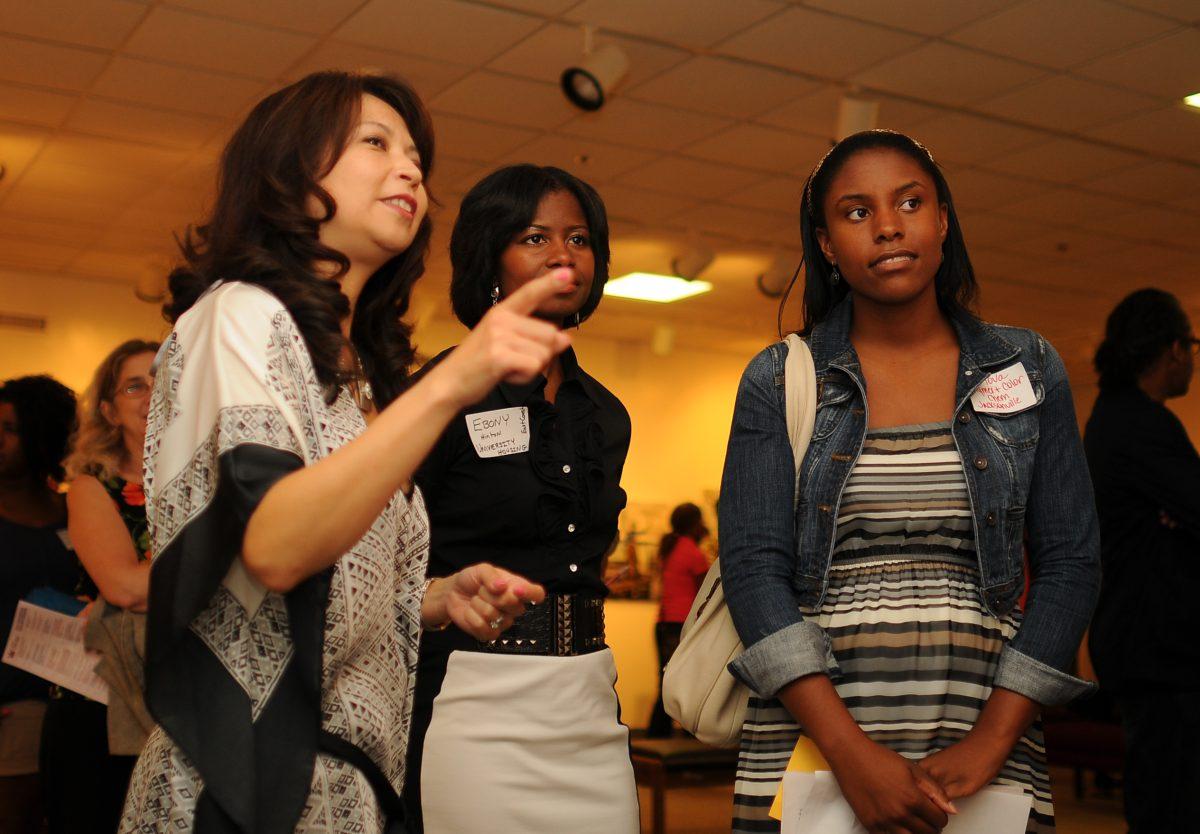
<point x="1005" y="392"/>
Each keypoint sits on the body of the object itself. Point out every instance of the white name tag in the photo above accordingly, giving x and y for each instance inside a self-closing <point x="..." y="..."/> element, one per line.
<point x="1005" y="392"/>
<point x="504" y="431"/>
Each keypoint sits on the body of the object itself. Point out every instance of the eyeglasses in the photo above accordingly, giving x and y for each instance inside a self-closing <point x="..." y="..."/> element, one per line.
<point x="135" y="390"/>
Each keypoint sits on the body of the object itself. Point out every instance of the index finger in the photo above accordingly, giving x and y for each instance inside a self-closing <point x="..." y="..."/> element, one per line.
<point x="529" y="297"/>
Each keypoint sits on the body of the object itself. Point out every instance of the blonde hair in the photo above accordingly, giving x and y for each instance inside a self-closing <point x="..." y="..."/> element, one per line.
<point x="98" y="447"/>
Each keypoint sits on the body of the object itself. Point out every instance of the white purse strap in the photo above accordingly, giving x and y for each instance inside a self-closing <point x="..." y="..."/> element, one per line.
<point x="800" y="389"/>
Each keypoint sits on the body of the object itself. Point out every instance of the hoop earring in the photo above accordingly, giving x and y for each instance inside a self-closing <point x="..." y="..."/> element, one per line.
<point x="495" y="295"/>
<point x="835" y="276"/>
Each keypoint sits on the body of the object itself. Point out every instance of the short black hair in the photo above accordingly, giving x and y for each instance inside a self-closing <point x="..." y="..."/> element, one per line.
<point x="45" y="421"/>
<point x="1139" y="329"/>
<point x="957" y="289"/>
<point x="494" y="211"/>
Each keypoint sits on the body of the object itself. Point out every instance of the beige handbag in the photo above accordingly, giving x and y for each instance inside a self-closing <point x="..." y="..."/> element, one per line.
<point x="698" y="690"/>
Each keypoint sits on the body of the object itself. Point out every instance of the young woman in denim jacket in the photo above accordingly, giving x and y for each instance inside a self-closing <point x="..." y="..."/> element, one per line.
<point x="881" y="614"/>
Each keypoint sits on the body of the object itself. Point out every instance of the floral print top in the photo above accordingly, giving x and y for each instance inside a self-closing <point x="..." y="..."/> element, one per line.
<point x="131" y="505"/>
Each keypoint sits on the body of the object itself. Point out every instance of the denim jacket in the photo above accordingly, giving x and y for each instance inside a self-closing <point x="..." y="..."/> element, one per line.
<point x="1028" y="485"/>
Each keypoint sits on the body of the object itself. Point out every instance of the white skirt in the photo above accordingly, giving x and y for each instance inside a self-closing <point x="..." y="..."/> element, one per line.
<point x="528" y="745"/>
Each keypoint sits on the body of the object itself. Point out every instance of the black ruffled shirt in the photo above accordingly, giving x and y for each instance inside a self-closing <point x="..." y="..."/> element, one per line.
<point x="549" y="514"/>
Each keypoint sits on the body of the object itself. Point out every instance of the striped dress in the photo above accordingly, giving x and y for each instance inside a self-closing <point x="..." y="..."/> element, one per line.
<point x="916" y="646"/>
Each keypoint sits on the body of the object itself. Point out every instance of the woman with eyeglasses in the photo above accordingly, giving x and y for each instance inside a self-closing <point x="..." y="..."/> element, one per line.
<point x="88" y="749"/>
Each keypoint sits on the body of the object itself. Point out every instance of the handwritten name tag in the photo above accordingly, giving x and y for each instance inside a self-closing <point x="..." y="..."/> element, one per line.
<point x="1005" y="392"/>
<point x="504" y="431"/>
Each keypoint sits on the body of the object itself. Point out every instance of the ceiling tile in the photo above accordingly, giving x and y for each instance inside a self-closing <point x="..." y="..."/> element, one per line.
<point x="49" y="205"/>
<point x="969" y="139"/>
<point x="722" y="86"/>
<point x="1061" y="33"/>
<point x="591" y="161"/>
<point x="542" y="7"/>
<point x="976" y="189"/>
<point x="134" y="159"/>
<point x="1065" y="207"/>
<point x="816" y="114"/>
<point x="86" y="183"/>
<point x="175" y="36"/>
<point x="623" y="121"/>
<point x="126" y="267"/>
<point x="689" y="178"/>
<point x="142" y="124"/>
<point x="923" y="73"/>
<point x="428" y="77"/>
<point x="177" y="88"/>
<point x="18" y="253"/>
<point x="1149" y="223"/>
<point x="316" y="17"/>
<point x="1170" y="131"/>
<point x="983" y="229"/>
<point x="692" y="23"/>
<point x="1064" y="161"/>
<point x="34" y="107"/>
<point x="506" y="100"/>
<point x="19" y="146"/>
<point x="474" y="140"/>
<point x="1151" y="182"/>
<point x="740" y="223"/>
<point x="1168" y="67"/>
<point x="642" y="206"/>
<point x="779" y="194"/>
<point x="47" y="231"/>
<point x="438" y="28"/>
<point x="927" y="17"/>
<point x="547" y="52"/>
<point x="761" y="148"/>
<point x="1062" y="102"/>
<point x="43" y="65"/>
<point x="816" y="43"/>
<point x="1185" y="11"/>
<point x="103" y="24"/>
<point x="1066" y="248"/>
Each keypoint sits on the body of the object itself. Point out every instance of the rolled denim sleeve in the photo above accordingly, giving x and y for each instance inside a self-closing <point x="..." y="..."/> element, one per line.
<point x="758" y="539"/>
<point x="1064" y="554"/>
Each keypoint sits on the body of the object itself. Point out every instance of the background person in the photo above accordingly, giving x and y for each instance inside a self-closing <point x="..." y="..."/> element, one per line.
<point x="1147" y="477"/>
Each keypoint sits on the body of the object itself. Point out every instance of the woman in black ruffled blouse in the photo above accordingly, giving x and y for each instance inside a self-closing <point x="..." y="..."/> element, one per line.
<point x="527" y="479"/>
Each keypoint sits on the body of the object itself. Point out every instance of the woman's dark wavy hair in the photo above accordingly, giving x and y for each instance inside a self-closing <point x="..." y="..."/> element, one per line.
<point x="259" y="230"/>
<point x="1139" y="329"/>
<point x="45" y="422"/>
<point x="494" y="212"/>
<point x="957" y="289"/>
<point x="684" y="520"/>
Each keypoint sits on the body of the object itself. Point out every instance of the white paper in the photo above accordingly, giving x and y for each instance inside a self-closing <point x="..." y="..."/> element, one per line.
<point x="50" y="645"/>
<point x="813" y="804"/>
<point x="1007" y="391"/>
<point x="504" y="431"/>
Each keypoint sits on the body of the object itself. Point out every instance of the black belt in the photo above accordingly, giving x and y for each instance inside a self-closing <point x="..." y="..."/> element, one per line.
<point x="560" y="626"/>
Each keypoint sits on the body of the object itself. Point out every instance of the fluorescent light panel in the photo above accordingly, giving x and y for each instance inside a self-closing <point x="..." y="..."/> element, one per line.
<point x="1193" y="100"/>
<point x="646" y="286"/>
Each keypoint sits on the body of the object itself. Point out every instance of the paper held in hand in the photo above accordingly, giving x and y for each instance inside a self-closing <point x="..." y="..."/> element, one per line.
<point x="50" y="645"/>
<point x="813" y="804"/>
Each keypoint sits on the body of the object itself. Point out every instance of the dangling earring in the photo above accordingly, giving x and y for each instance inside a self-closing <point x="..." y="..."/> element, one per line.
<point x="835" y="276"/>
<point x="495" y="295"/>
<point x="577" y="320"/>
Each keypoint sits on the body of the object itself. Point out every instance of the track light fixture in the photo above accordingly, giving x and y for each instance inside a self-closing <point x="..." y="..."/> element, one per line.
<point x="773" y="283"/>
<point x="589" y="84"/>
<point x="694" y="260"/>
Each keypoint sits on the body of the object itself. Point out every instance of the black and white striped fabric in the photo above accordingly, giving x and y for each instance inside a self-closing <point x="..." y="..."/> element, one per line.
<point x="916" y="647"/>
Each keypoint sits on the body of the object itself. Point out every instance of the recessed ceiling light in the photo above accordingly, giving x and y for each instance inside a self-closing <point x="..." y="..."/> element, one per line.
<point x="1193" y="100"/>
<point x="646" y="286"/>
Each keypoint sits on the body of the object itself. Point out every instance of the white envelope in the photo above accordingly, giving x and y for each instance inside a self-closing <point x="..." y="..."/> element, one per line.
<point x="813" y="804"/>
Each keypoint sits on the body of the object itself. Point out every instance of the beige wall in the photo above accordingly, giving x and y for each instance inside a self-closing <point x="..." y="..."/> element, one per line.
<point x="85" y="319"/>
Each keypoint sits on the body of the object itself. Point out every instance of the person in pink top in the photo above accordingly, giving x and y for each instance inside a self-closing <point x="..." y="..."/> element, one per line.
<point x="684" y="566"/>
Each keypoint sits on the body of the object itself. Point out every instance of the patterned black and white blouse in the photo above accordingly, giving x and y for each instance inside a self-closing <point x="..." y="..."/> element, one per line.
<point x="241" y="680"/>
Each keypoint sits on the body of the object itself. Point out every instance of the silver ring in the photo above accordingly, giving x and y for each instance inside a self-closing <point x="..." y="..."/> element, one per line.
<point x="495" y="624"/>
